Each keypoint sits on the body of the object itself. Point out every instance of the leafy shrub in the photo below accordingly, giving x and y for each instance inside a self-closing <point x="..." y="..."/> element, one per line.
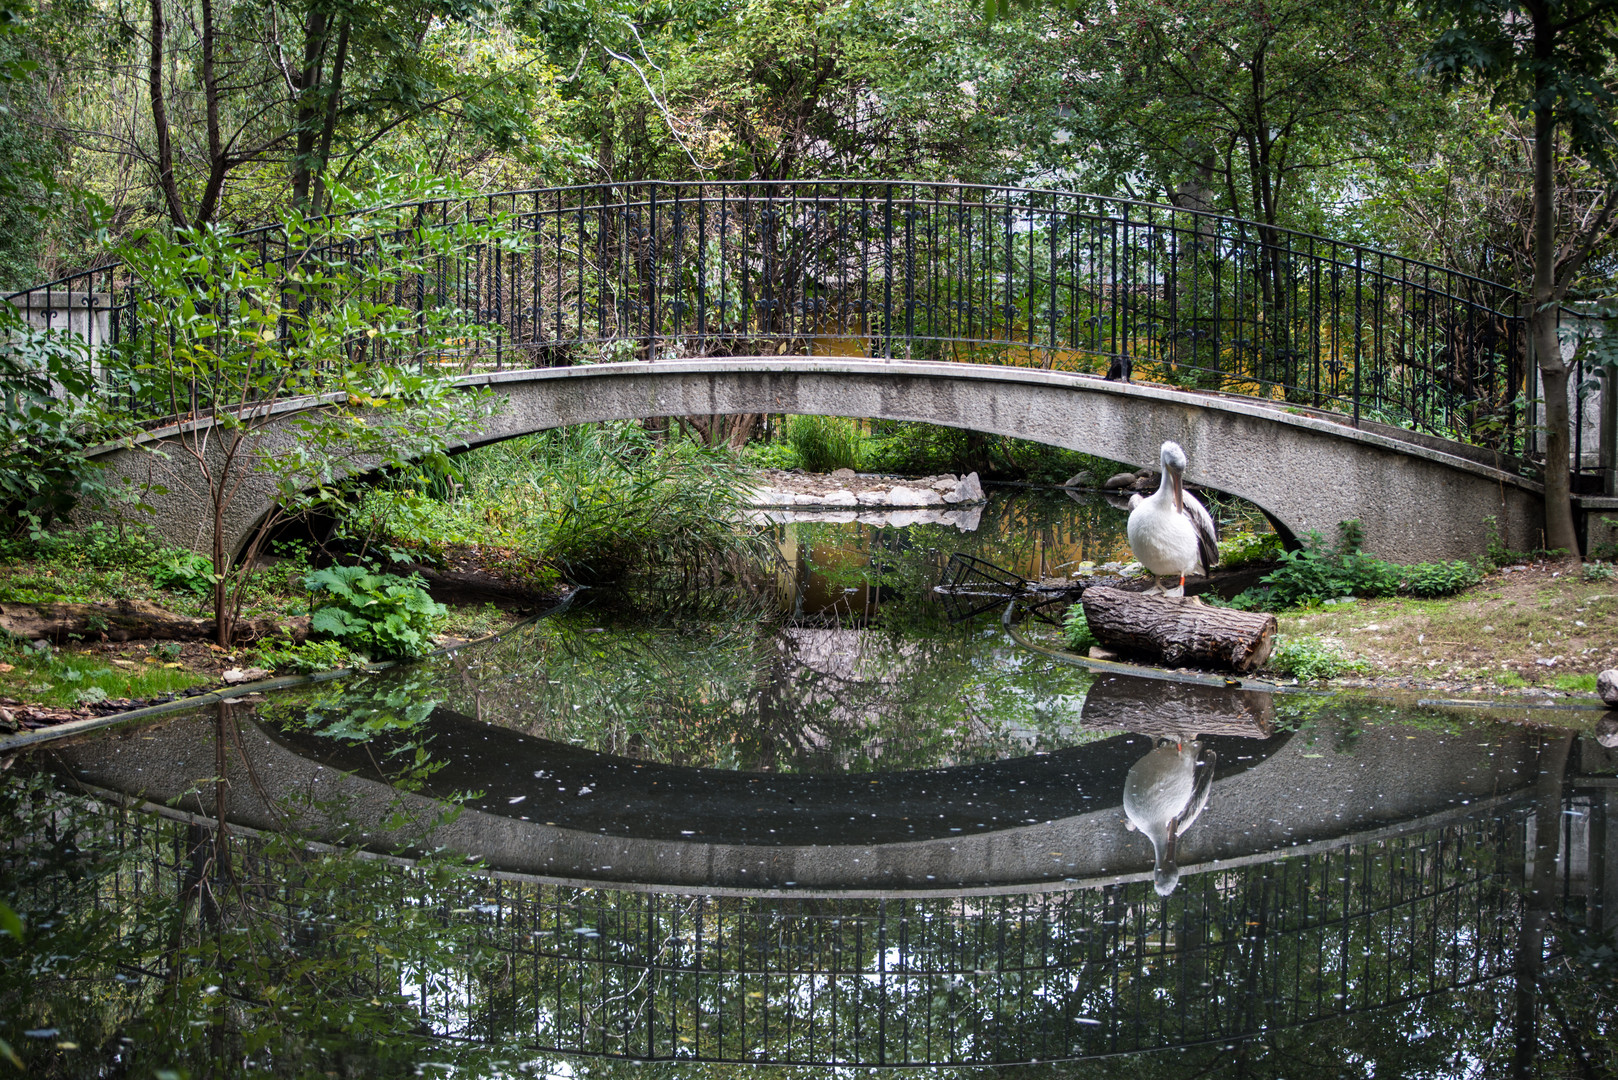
<point x="1248" y="547"/>
<point x="1501" y="555"/>
<point x="96" y="546"/>
<point x="52" y="413"/>
<point x="185" y="571"/>
<point x="770" y="455"/>
<point x="380" y="615"/>
<point x="305" y="659"/>
<point x="824" y="443"/>
<point x="1304" y="577"/>
<point x="1318" y="573"/>
<point x="1599" y="572"/>
<point x="1309" y="658"/>
<point x="1439" y="579"/>
<point x="1076" y="630"/>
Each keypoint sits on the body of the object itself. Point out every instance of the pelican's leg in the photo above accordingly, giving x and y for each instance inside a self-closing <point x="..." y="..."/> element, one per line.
<point x="1178" y="590"/>
<point x="1157" y="585"/>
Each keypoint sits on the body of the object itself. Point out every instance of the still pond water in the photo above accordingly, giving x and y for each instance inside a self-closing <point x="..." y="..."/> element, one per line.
<point x="807" y="819"/>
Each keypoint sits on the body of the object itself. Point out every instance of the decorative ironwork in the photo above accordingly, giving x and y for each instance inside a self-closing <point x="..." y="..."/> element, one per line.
<point x="954" y="272"/>
<point x="965" y="980"/>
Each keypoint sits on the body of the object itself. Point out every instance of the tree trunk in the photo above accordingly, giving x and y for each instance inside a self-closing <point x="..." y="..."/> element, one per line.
<point x="1559" y="532"/>
<point x="1539" y="903"/>
<point x="1179" y="630"/>
<point x="131" y="620"/>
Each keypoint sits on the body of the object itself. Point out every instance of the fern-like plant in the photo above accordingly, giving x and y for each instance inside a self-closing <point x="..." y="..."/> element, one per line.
<point x="380" y="615"/>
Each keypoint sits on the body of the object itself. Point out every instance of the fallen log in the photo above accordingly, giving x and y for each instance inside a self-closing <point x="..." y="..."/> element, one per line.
<point x="132" y="620"/>
<point x="1175" y="710"/>
<point x="1179" y="630"/>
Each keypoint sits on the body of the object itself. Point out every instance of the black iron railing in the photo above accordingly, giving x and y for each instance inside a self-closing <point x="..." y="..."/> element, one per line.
<point x="966" y="980"/>
<point x="655" y="270"/>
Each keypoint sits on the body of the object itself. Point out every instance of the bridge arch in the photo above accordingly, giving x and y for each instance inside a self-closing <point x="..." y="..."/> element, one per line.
<point x="1417" y="501"/>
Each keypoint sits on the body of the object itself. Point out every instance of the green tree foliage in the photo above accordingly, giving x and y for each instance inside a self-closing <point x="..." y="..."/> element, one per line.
<point x="224" y="330"/>
<point x="50" y="412"/>
<point x="1550" y="60"/>
<point x="1262" y="109"/>
<point x="776" y="89"/>
<point x="188" y="112"/>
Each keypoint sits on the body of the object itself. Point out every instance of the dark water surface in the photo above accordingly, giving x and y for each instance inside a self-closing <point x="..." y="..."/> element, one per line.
<point x="800" y="822"/>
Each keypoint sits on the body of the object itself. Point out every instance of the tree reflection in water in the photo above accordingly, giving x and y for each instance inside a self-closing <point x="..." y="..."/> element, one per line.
<point x="159" y="940"/>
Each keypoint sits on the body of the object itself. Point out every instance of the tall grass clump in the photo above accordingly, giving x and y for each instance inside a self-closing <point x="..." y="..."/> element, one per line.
<point x="824" y="444"/>
<point x="591" y="504"/>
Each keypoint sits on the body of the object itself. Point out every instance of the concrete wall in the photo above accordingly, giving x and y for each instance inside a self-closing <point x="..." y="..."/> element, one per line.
<point x="1416" y="502"/>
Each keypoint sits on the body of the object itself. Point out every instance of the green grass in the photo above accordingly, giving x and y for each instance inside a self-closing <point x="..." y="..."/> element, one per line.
<point x="1309" y="658"/>
<point x="472" y="621"/>
<point x="66" y="679"/>
<point x="1573" y="683"/>
<point x="98" y="564"/>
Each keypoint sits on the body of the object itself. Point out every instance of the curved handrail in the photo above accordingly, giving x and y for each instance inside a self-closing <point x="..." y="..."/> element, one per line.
<point x="975" y="272"/>
<point x="1112" y="200"/>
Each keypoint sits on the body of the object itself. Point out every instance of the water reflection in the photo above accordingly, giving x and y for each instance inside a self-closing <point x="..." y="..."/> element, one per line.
<point x="740" y="832"/>
<point x="164" y="938"/>
<point x="1164" y="793"/>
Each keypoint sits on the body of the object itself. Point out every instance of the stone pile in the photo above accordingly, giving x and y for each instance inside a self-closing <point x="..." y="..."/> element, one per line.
<point x="847" y="490"/>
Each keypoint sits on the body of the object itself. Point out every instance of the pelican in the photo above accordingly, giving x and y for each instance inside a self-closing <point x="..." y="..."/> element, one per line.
<point x="1170" y="532"/>
<point x="1163" y="794"/>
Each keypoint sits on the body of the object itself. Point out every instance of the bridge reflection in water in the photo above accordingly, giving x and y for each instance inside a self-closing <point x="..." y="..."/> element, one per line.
<point x="1270" y="932"/>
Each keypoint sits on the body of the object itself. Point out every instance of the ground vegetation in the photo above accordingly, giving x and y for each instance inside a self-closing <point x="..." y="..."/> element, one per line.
<point x="592" y="504"/>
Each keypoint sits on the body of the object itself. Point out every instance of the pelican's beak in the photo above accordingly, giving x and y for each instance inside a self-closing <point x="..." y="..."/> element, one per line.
<point x="1179" y="490"/>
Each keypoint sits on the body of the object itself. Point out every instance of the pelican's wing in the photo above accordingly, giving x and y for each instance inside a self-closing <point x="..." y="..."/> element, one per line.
<point x="1199" y="794"/>
<point x="1207" y="531"/>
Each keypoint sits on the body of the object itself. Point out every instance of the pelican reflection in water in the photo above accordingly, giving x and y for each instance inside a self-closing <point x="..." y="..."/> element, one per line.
<point x="1163" y="794"/>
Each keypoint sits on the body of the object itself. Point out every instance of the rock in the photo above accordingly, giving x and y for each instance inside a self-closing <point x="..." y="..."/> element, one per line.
<point x="1150" y="474"/>
<point x="1143" y="483"/>
<point x="843" y="474"/>
<point x="839" y="498"/>
<point x="1081" y="480"/>
<point x="872" y="498"/>
<point x="1607" y="687"/>
<point x="1607" y="731"/>
<point x="944" y="485"/>
<point x="909" y="496"/>
<point x="236" y="676"/>
<point x="1098" y="653"/>
<point x="1119" y="480"/>
<point x="968" y="491"/>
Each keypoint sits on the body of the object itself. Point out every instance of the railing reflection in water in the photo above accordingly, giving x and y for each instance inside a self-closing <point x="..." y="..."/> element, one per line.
<point x="901" y="980"/>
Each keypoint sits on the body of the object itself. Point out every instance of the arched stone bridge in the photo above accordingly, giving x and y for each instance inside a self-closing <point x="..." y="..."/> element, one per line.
<point x="1418" y="498"/>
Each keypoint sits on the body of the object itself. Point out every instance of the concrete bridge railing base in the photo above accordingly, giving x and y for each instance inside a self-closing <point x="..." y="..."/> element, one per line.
<point x="1416" y="500"/>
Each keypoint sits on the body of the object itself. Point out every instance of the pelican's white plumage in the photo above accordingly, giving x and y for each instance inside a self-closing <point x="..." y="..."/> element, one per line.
<point x="1163" y="794"/>
<point x="1171" y="533"/>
